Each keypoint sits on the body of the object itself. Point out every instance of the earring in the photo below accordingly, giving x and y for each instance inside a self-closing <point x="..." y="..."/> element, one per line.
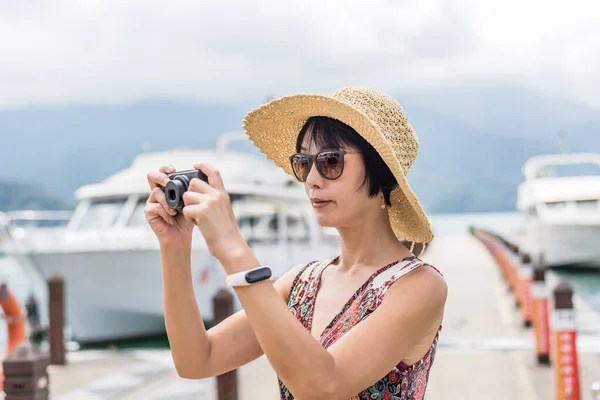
<point x="383" y="205"/>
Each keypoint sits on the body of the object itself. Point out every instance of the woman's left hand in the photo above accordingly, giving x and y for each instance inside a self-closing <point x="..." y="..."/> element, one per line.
<point x="208" y="206"/>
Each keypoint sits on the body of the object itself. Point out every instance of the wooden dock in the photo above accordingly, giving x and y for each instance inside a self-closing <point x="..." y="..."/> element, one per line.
<point x="484" y="351"/>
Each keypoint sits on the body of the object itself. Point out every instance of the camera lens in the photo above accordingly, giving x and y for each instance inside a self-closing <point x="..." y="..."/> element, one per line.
<point x="174" y="191"/>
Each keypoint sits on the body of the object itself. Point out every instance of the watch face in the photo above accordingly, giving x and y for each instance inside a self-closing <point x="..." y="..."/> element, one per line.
<point x="258" y="275"/>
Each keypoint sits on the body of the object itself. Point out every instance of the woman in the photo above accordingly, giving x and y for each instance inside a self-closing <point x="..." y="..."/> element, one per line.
<point x="363" y="325"/>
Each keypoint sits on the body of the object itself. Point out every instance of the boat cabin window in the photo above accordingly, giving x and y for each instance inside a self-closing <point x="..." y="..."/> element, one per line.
<point x="101" y="214"/>
<point x="265" y="229"/>
<point x="588" y="204"/>
<point x="532" y="211"/>
<point x="259" y="220"/>
<point x="556" y="205"/>
<point x="138" y="218"/>
<point x="297" y="228"/>
<point x="568" y="170"/>
<point x="38" y="224"/>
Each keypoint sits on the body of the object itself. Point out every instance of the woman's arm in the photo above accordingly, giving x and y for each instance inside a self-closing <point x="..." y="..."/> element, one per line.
<point x="198" y="353"/>
<point x="412" y="306"/>
<point x="411" y="309"/>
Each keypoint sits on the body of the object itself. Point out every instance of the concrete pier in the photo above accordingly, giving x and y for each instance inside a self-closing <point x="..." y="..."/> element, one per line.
<point x="484" y="351"/>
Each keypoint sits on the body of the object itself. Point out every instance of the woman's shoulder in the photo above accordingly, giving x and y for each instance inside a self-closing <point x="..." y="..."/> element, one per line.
<point x="407" y="266"/>
<point x="410" y="279"/>
<point x="415" y="277"/>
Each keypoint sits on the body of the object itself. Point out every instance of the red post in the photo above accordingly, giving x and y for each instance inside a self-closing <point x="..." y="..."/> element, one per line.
<point x="524" y="285"/>
<point x="539" y="313"/>
<point x="514" y="266"/>
<point x="502" y="258"/>
<point x="566" y="365"/>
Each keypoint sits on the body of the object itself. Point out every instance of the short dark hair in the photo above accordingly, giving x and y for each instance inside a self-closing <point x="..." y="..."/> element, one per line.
<point x="329" y="133"/>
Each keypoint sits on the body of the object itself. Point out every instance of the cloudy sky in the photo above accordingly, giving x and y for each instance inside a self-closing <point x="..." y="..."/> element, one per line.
<point x="61" y="52"/>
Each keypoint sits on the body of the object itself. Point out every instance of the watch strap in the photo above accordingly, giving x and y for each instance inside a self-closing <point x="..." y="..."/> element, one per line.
<point x="248" y="277"/>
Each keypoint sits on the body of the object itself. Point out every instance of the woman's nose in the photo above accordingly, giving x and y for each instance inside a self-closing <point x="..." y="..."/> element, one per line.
<point x="314" y="179"/>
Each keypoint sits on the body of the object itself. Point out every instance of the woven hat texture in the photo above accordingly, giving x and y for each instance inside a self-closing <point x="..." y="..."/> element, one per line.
<point x="274" y="127"/>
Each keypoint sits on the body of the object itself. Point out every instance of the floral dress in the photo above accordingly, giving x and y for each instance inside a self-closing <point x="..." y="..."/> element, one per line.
<point x="402" y="382"/>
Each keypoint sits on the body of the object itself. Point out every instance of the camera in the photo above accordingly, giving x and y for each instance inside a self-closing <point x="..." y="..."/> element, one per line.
<point x="178" y="184"/>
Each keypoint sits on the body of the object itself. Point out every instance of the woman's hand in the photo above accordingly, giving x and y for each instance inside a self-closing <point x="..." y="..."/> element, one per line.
<point x="208" y="206"/>
<point x="168" y="226"/>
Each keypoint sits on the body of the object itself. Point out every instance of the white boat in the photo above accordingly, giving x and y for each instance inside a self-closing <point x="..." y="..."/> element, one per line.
<point x="560" y="202"/>
<point x="109" y="257"/>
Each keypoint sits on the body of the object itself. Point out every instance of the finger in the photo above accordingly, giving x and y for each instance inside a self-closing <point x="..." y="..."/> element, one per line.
<point x="193" y="213"/>
<point x="157" y="178"/>
<point x="200" y="186"/>
<point x="191" y="198"/>
<point x="155" y="209"/>
<point x="214" y="176"/>
<point x="158" y="196"/>
<point x="167" y="169"/>
<point x="160" y="178"/>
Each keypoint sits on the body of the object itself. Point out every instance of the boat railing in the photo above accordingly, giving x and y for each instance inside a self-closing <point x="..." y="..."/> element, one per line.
<point x="38" y="216"/>
<point x="32" y="224"/>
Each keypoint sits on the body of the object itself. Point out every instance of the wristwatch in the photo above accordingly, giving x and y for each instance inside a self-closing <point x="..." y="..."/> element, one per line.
<point x="248" y="277"/>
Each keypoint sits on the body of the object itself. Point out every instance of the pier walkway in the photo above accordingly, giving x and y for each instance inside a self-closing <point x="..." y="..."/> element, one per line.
<point x="484" y="351"/>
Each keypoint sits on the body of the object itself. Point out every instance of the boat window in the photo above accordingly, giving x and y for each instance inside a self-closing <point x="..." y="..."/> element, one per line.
<point x="138" y="218"/>
<point x="101" y="214"/>
<point x="587" y="204"/>
<point x="532" y="211"/>
<point x="265" y="229"/>
<point x="568" y="170"/>
<point x="38" y="224"/>
<point x="555" y="205"/>
<point x="297" y="228"/>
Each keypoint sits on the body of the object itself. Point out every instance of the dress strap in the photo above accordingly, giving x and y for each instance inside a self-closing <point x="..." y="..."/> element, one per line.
<point x="397" y="271"/>
<point x="306" y="276"/>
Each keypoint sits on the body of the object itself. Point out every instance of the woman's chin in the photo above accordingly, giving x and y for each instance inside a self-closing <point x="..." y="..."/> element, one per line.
<point x="326" y="221"/>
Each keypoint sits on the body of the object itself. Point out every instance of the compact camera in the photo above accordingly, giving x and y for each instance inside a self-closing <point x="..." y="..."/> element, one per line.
<point x="178" y="184"/>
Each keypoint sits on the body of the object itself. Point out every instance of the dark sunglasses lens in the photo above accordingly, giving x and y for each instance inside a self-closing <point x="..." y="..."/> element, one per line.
<point x="301" y="166"/>
<point x="330" y="164"/>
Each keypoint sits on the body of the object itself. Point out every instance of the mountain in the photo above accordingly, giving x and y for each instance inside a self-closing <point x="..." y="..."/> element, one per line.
<point x="473" y="141"/>
<point x="16" y="196"/>
<point x="509" y="110"/>
<point x="463" y="169"/>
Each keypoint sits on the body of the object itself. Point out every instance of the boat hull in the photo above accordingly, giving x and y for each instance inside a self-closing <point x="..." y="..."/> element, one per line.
<point x="117" y="294"/>
<point x="562" y="244"/>
<point x="113" y="295"/>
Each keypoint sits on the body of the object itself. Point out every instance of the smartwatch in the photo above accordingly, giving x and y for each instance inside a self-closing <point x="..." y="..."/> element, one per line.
<point x="249" y="277"/>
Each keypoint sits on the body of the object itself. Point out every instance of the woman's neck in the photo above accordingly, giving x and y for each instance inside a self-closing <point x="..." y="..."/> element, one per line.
<point x="370" y="242"/>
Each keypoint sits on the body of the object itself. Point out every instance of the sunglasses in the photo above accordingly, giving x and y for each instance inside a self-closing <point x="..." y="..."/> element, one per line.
<point x="329" y="163"/>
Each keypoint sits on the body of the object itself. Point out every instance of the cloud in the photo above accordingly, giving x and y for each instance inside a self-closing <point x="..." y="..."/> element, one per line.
<point x="67" y="52"/>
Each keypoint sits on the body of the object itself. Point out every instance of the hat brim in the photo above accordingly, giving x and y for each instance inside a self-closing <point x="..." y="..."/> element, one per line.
<point x="274" y="127"/>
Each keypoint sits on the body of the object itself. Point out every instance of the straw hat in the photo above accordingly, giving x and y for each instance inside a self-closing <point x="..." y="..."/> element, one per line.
<point x="376" y="116"/>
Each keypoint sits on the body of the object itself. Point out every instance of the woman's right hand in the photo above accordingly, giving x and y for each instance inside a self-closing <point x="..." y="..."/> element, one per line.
<point x="168" y="226"/>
